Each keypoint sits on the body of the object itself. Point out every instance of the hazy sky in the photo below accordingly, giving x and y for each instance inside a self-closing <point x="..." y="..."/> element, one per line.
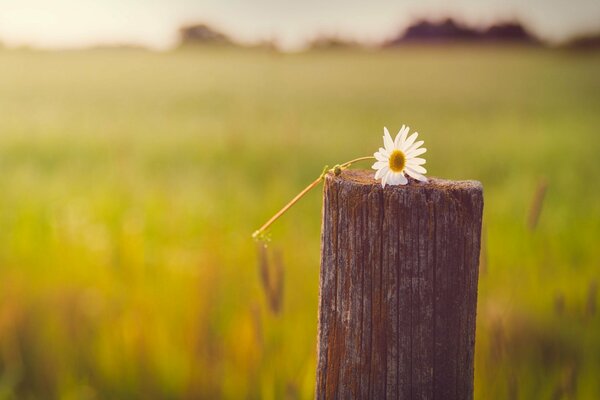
<point x="74" y="23"/>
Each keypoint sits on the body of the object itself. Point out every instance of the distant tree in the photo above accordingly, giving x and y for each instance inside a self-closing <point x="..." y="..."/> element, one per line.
<point x="449" y="31"/>
<point x="427" y="31"/>
<point x="202" y="34"/>
<point x="509" y="32"/>
<point x="585" y="42"/>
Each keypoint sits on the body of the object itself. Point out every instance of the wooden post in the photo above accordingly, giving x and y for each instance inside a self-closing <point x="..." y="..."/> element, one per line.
<point x="398" y="288"/>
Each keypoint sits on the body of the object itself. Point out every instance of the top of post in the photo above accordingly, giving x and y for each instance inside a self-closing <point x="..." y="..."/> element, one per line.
<point x="366" y="178"/>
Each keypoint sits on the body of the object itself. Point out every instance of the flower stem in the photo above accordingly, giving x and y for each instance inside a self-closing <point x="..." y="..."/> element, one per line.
<point x="336" y="170"/>
<point x="349" y="163"/>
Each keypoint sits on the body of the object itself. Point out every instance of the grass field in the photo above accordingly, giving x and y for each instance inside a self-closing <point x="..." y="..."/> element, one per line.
<point x="131" y="182"/>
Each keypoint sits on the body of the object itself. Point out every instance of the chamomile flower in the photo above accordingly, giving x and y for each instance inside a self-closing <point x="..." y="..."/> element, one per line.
<point x="398" y="158"/>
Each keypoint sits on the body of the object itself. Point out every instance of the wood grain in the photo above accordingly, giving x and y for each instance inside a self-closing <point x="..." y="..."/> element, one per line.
<point x="398" y="288"/>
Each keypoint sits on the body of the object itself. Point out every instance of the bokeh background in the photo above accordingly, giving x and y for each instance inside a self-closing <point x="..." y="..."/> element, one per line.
<point x="141" y="143"/>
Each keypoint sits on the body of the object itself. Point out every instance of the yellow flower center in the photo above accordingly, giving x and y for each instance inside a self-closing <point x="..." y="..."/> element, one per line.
<point x="397" y="161"/>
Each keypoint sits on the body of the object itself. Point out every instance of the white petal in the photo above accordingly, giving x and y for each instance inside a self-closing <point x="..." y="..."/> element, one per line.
<point x="380" y="164"/>
<point x="400" y="137"/>
<point x="401" y="179"/>
<point x="414" y="146"/>
<point x="415" y="174"/>
<point x="397" y="178"/>
<point x="415" y="161"/>
<point x="380" y="173"/>
<point x="411" y="139"/>
<point x="417" y="168"/>
<point x="404" y="130"/>
<point x="385" y="178"/>
<point x="416" y="152"/>
<point x="387" y="140"/>
<point x="392" y="178"/>
<point x="380" y="157"/>
<point x="384" y="152"/>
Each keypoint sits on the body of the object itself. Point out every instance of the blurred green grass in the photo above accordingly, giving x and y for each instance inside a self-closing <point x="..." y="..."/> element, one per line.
<point x="131" y="182"/>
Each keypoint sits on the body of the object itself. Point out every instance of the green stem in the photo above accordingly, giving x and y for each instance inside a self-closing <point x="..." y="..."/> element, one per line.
<point x="336" y="170"/>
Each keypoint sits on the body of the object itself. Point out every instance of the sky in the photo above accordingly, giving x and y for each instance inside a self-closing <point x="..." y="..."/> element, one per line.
<point x="154" y="23"/>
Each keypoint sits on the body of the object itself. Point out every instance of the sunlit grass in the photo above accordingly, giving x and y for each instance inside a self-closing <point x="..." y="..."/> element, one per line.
<point x="132" y="181"/>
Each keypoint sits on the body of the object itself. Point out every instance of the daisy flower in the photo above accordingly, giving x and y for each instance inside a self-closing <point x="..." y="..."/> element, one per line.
<point x="399" y="157"/>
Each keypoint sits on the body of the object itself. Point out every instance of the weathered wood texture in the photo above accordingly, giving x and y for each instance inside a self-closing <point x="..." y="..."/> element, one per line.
<point x="398" y="288"/>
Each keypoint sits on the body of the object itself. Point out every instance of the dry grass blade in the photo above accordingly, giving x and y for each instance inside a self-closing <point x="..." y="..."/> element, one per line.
<point x="263" y="267"/>
<point x="271" y="276"/>
<point x="537" y="203"/>
<point x="277" y="284"/>
<point x="590" y="305"/>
